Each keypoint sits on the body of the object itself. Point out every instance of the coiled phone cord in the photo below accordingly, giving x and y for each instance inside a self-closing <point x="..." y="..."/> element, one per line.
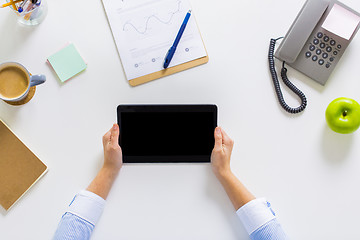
<point x="286" y="81"/>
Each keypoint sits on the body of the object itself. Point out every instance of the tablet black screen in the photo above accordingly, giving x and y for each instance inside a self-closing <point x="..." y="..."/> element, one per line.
<point x="165" y="134"/>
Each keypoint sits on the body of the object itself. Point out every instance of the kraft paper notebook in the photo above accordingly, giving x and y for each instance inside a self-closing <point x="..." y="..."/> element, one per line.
<point x="20" y="169"/>
<point x="144" y="31"/>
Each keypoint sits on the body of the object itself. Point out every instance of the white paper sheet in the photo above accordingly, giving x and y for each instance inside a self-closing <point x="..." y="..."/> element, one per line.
<point x="144" y="30"/>
<point x="341" y="22"/>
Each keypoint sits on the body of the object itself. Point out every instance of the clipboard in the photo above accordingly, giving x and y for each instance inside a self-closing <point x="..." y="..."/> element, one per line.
<point x="165" y="72"/>
<point x="135" y="21"/>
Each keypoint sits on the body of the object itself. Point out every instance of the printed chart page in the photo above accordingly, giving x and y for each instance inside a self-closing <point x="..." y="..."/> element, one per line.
<point x="144" y="30"/>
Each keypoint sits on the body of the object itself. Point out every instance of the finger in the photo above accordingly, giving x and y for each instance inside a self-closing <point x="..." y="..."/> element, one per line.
<point x="218" y="137"/>
<point x="226" y="139"/>
<point x="114" y="134"/>
<point x="106" y="137"/>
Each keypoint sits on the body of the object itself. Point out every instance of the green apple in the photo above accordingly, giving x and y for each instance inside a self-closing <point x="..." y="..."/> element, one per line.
<point x="343" y="115"/>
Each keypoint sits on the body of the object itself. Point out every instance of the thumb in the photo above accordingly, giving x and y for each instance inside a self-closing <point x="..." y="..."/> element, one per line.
<point x="115" y="134"/>
<point x="218" y="138"/>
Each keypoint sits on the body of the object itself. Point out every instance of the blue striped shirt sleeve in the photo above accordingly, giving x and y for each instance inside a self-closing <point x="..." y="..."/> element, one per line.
<point x="260" y="221"/>
<point x="72" y="227"/>
<point x="271" y="230"/>
<point x="80" y="219"/>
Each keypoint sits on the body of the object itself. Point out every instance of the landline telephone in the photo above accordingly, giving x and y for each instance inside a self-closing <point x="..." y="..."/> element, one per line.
<point x="314" y="44"/>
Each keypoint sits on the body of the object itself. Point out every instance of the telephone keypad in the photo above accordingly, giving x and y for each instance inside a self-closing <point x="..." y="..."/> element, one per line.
<point x="323" y="49"/>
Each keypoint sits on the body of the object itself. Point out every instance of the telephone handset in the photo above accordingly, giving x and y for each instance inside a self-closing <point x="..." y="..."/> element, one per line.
<point x="314" y="44"/>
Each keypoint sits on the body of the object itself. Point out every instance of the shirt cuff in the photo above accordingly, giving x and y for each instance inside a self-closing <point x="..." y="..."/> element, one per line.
<point x="88" y="206"/>
<point x="255" y="214"/>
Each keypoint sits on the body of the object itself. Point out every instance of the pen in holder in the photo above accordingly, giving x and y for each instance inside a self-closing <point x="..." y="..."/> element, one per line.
<point x="30" y="12"/>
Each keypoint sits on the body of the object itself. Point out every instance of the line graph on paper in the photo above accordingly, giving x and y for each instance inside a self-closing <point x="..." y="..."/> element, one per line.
<point x="152" y="19"/>
<point x="159" y="16"/>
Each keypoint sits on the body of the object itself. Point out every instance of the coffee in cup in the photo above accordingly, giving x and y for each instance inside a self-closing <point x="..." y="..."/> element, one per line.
<point x="15" y="81"/>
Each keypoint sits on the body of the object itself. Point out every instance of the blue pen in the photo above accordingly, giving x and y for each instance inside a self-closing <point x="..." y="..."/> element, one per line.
<point x="171" y="51"/>
<point x="29" y="7"/>
<point x="21" y="8"/>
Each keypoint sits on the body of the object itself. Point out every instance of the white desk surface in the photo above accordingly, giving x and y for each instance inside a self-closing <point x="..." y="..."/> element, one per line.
<point x="309" y="173"/>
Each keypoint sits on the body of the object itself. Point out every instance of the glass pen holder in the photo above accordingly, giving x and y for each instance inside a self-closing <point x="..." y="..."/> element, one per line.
<point x="32" y="14"/>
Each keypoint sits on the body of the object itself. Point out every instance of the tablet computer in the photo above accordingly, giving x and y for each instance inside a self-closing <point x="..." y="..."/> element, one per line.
<point x="166" y="133"/>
